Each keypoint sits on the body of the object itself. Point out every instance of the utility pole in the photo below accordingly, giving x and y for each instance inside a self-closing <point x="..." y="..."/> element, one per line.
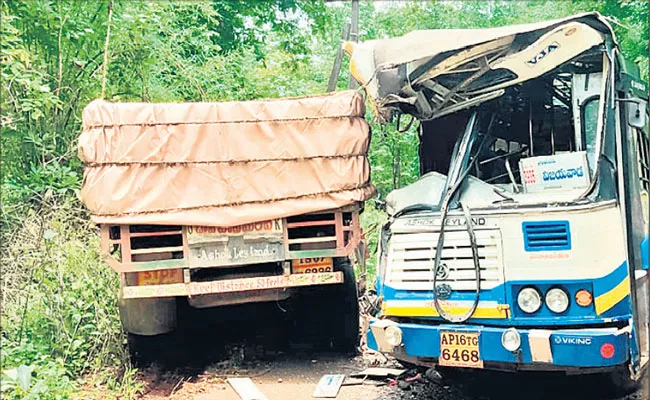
<point x="350" y="32"/>
<point x="334" y="76"/>
<point x="354" y="34"/>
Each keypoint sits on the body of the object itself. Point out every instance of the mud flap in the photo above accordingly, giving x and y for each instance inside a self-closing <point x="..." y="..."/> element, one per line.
<point x="148" y="317"/>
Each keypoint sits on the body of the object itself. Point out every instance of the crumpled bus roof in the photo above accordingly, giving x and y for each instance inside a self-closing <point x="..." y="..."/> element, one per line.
<point x="457" y="68"/>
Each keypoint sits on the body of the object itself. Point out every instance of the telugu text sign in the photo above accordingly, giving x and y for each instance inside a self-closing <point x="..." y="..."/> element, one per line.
<point x="200" y="234"/>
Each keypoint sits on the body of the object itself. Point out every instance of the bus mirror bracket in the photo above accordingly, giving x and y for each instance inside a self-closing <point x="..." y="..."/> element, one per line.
<point x="636" y="111"/>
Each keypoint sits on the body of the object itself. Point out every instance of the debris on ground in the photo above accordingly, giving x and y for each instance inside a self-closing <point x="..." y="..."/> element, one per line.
<point x="433" y="376"/>
<point x="379" y="373"/>
<point x="329" y="386"/>
<point x="415" y="378"/>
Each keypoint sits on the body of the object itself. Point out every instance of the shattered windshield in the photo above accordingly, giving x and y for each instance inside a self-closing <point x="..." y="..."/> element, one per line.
<point x="538" y="142"/>
<point x="527" y="141"/>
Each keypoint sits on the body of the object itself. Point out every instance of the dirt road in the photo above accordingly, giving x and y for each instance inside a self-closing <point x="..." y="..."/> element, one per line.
<point x="250" y="346"/>
<point x="287" y="377"/>
<point x="295" y="376"/>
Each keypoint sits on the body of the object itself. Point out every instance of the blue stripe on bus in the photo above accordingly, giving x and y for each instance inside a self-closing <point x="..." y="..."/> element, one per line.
<point x="608" y="282"/>
<point x="644" y="253"/>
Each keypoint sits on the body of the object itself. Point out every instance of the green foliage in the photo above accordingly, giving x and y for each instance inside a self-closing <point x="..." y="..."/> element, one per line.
<point x="372" y="219"/>
<point x="57" y="178"/>
<point x="59" y="314"/>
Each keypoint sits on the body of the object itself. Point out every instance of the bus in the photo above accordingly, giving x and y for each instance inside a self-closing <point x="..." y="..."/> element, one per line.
<point x="524" y="243"/>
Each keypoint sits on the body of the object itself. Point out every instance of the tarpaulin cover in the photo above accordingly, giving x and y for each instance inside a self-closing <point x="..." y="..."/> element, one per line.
<point x="223" y="164"/>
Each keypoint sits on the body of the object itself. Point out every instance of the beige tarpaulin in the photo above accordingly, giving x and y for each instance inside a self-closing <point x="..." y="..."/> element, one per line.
<point x="223" y="164"/>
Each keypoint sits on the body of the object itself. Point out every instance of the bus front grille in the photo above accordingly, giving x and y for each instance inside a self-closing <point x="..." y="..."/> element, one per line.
<point x="411" y="259"/>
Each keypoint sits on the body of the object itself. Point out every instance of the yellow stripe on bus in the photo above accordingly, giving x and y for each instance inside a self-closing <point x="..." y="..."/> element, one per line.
<point x="498" y="312"/>
<point x="608" y="300"/>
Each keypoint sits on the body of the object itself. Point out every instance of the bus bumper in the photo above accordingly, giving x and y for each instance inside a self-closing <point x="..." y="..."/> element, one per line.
<point x="540" y="349"/>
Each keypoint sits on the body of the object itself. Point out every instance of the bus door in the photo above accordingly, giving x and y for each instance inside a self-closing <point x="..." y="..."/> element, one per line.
<point x="634" y="174"/>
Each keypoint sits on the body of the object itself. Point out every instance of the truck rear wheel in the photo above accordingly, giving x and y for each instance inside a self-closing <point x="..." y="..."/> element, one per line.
<point x="328" y="315"/>
<point x="144" y="350"/>
<point x="345" y="322"/>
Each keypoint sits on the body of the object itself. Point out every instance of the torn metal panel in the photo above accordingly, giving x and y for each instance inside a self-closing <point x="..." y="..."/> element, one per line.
<point x="433" y="73"/>
<point x="376" y="372"/>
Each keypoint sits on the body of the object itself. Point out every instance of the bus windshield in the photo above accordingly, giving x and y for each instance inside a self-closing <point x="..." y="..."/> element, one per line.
<point x="536" y="143"/>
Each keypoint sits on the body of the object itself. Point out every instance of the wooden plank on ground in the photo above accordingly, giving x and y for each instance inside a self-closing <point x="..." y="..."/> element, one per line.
<point x="246" y="389"/>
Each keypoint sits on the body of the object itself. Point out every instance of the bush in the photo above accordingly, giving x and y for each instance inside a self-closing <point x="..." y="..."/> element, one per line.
<point x="59" y="316"/>
<point x="371" y="222"/>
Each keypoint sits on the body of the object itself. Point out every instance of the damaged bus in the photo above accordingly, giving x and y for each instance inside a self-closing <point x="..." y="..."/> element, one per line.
<point x="524" y="243"/>
<point x="212" y="205"/>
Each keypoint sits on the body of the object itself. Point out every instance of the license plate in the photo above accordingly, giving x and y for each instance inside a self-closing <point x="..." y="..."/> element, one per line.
<point x="160" y="277"/>
<point x="460" y="349"/>
<point x="312" y="265"/>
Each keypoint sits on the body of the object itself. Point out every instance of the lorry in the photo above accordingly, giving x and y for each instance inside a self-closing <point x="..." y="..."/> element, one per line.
<point x="209" y="205"/>
<point x="524" y="243"/>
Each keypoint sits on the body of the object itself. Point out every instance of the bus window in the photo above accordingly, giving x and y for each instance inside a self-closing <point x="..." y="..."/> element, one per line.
<point x="589" y="128"/>
<point x="643" y="154"/>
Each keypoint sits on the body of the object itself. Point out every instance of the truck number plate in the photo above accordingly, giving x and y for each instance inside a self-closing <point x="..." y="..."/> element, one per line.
<point x="312" y="265"/>
<point x="159" y="277"/>
<point x="460" y="349"/>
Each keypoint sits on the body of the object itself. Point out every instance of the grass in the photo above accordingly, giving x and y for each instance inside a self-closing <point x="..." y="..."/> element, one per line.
<point x="59" y="316"/>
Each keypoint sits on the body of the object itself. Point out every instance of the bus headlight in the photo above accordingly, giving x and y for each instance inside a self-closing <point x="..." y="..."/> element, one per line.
<point x="529" y="300"/>
<point x="557" y="300"/>
<point x="393" y="335"/>
<point x="510" y="339"/>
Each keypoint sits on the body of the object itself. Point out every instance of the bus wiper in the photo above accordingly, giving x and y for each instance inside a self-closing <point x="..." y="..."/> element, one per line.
<point x="505" y="198"/>
<point x="414" y="208"/>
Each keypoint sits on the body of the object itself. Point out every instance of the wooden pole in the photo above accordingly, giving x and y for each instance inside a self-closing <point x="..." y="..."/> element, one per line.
<point x="336" y="69"/>
<point x="354" y="34"/>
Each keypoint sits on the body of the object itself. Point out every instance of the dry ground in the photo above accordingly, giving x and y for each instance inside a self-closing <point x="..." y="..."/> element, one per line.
<point x="255" y="346"/>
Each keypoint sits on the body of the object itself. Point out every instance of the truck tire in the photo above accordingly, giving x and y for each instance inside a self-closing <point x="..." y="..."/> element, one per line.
<point x="345" y="324"/>
<point x="328" y="316"/>
<point x="144" y="350"/>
